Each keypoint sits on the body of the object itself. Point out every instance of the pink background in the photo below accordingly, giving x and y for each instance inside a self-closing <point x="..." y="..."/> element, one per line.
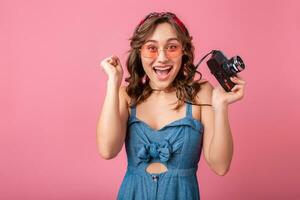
<point x="52" y="90"/>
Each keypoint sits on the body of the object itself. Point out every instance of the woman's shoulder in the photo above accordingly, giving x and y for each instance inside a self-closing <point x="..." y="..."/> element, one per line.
<point x="124" y="95"/>
<point x="205" y="85"/>
<point x="205" y="92"/>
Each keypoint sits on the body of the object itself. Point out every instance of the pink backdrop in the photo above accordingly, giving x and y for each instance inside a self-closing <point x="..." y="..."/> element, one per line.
<point x="52" y="91"/>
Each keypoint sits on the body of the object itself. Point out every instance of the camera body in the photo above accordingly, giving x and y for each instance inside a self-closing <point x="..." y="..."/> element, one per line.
<point x="223" y="69"/>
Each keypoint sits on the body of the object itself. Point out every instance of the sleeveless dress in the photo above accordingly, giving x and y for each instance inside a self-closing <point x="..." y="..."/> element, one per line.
<point x="177" y="145"/>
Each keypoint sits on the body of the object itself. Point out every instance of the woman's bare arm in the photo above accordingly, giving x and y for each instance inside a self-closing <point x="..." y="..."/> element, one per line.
<point x="112" y="122"/>
<point x="218" y="142"/>
<point x="217" y="139"/>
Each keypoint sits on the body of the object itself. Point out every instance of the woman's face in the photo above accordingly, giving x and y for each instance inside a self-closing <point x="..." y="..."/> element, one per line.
<point x="161" y="56"/>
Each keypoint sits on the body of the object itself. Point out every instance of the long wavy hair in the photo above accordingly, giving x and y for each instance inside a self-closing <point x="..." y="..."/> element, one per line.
<point x="186" y="87"/>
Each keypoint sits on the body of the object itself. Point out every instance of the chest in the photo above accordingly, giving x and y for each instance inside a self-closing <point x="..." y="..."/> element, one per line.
<point x="157" y="117"/>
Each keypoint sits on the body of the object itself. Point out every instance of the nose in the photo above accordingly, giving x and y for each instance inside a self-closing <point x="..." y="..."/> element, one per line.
<point x="162" y="57"/>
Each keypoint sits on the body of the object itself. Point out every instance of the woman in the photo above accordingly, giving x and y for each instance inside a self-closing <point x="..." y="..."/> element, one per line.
<point x="164" y="116"/>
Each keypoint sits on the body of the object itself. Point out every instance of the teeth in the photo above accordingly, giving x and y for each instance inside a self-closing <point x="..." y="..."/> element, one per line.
<point x="157" y="68"/>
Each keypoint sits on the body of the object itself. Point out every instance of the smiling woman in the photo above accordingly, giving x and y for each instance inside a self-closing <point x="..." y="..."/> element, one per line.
<point x="163" y="142"/>
<point x="162" y="60"/>
<point x="161" y="42"/>
<point x="171" y="50"/>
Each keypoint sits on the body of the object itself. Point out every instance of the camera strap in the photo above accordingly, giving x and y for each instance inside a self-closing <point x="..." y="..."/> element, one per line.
<point x="204" y="58"/>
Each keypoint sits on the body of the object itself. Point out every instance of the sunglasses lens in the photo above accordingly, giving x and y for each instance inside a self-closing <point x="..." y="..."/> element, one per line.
<point x="150" y="51"/>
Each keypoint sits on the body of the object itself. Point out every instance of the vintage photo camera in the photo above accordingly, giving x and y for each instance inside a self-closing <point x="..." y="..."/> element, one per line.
<point x="223" y="69"/>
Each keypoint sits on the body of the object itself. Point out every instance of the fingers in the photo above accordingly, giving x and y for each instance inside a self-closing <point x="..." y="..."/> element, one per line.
<point x="113" y="60"/>
<point x="238" y="91"/>
<point x="105" y="61"/>
<point x="118" y="63"/>
<point x="236" y="88"/>
<point x="238" y="80"/>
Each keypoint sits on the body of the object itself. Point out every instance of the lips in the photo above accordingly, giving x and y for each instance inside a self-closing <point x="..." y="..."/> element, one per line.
<point x="162" y="72"/>
<point x="162" y="67"/>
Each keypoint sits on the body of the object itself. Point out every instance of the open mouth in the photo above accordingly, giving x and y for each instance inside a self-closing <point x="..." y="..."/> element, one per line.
<point x="162" y="73"/>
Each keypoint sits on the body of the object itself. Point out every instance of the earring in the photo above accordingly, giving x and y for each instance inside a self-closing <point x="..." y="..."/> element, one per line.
<point x="144" y="79"/>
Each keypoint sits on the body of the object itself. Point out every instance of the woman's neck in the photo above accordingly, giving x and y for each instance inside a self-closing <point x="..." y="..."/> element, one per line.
<point x="169" y="91"/>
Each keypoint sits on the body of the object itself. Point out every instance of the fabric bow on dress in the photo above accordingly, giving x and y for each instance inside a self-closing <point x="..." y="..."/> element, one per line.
<point x="161" y="150"/>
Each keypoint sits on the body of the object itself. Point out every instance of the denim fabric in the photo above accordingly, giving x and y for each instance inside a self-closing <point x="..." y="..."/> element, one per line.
<point x="177" y="145"/>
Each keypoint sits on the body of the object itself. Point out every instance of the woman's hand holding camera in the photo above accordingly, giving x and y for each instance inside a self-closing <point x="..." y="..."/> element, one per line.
<point x="221" y="98"/>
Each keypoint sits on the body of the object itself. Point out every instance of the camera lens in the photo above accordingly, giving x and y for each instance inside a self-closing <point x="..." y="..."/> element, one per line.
<point x="235" y="65"/>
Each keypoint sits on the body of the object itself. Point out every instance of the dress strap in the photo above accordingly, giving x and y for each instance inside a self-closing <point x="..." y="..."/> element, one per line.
<point x="133" y="111"/>
<point x="189" y="109"/>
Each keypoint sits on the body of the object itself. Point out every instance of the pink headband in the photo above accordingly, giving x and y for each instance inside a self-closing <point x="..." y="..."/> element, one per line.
<point x="162" y="14"/>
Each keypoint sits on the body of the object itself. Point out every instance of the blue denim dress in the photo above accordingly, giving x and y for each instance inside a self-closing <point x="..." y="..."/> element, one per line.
<point x="177" y="145"/>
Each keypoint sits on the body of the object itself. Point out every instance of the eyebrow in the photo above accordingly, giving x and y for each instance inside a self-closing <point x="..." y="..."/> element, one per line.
<point x="157" y="41"/>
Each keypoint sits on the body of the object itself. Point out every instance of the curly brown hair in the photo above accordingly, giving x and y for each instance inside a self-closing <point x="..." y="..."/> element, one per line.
<point x="186" y="87"/>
